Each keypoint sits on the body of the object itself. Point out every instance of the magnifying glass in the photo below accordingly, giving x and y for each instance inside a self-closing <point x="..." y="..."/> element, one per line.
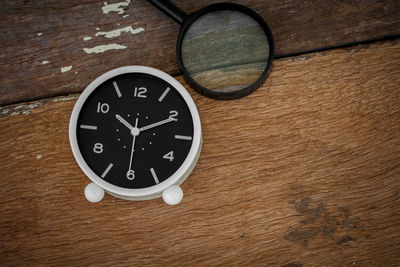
<point x="224" y="50"/>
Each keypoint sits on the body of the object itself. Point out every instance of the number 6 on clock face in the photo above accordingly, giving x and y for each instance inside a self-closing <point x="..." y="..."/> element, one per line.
<point x="135" y="142"/>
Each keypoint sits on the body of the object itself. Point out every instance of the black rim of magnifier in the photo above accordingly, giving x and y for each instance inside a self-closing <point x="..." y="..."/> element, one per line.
<point x="225" y="95"/>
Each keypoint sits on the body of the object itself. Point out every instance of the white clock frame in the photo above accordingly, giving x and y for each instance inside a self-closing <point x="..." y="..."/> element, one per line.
<point x="169" y="189"/>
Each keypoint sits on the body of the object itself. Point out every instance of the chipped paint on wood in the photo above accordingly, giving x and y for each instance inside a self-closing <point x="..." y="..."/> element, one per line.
<point x="27" y="108"/>
<point x="65" y="69"/>
<point x="117" y="32"/>
<point x="116" y="7"/>
<point x="21" y="109"/>
<point x="44" y="62"/>
<point x="87" y="38"/>
<point x="65" y="98"/>
<point x="103" y="48"/>
<point x="39" y="34"/>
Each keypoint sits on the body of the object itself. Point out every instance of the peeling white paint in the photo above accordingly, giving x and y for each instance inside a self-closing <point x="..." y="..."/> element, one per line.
<point x="103" y="48"/>
<point x="33" y="105"/>
<point x="4" y="111"/>
<point x="87" y="38"/>
<point x="44" y="62"/>
<point x="65" y="69"/>
<point x="125" y="16"/>
<point x="117" y="32"/>
<point x="27" y="108"/>
<point x="39" y="34"/>
<point x="97" y="29"/>
<point x="302" y="58"/>
<point x="65" y="98"/>
<point x="116" y="7"/>
<point x="38" y="156"/>
<point x="22" y="109"/>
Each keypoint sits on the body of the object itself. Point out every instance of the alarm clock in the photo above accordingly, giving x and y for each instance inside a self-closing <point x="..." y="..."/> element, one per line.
<point x="136" y="133"/>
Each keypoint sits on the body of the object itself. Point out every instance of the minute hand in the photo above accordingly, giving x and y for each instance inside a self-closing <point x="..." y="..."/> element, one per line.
<point x="156" y="124"/>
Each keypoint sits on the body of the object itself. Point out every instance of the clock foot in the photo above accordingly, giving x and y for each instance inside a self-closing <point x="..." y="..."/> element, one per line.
<point x="173" y="195"/>
<point x="94" y="193"/>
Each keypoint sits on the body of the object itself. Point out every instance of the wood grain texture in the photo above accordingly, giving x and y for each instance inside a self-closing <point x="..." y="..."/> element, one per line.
<point x="304" y="171"/>
<point x="225" y="51"/>
<point x="36" y="32"/>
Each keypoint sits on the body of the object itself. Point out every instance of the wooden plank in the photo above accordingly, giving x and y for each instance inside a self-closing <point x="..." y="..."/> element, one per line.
<point x="42" y="42"/>
<point x="304" y="171"/>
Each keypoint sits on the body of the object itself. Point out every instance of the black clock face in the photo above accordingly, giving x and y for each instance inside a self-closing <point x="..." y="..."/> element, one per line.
<point x="135" y="130"/>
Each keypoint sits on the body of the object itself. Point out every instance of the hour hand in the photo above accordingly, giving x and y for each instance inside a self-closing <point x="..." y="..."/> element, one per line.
<point x="124" y="122"/>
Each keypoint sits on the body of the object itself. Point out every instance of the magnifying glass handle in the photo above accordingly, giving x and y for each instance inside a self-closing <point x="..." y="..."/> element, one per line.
<point x="170" y="9"/>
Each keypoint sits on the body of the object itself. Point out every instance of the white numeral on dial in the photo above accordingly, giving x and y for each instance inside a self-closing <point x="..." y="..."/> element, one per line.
<point x="130" y="175"/>
<point x="98" y="148"/>
<point x="140" y="92"/>
<point x="103" y="108"/>
<point x="172" y="115"/>
<point x="169" y="155"/>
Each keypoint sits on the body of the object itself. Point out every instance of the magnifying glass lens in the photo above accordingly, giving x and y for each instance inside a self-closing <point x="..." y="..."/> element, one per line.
<point x="225" y="51"/>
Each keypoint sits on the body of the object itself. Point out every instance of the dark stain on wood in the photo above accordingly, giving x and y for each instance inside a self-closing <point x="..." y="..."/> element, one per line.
<point x="330" y="226"/>
<point x="348" y="222"/>
<point x="345" y="239"/>
<point x="293" y="264"/>
<point x="302" y="236"/>
<point x="321" y="221"/>
<point x="311" y="214"/>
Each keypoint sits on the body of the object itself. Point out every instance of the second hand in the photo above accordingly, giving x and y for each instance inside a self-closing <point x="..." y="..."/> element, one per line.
<point x="132" y="151"/>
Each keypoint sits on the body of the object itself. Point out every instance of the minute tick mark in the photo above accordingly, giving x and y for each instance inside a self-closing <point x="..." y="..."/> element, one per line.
<point x="183" y="137"/>
<point x="153" y="173"/>
<point x="88" y="127"/>
<point x="107" y="170"/>
<point x="164" y="94"/>
<point x="117" y="89"/>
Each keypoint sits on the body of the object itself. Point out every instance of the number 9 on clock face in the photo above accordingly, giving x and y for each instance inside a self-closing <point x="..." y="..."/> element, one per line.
<point x="136" y="133"/>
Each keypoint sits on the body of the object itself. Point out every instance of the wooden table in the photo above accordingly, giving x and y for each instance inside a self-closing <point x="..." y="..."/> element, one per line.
<point x="305" y="171"/>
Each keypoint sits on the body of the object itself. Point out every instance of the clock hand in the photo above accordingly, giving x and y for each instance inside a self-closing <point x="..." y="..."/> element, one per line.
<point x="130" y="174"/>
<point x="156" y="124"/>
<point x="124" y="122"/>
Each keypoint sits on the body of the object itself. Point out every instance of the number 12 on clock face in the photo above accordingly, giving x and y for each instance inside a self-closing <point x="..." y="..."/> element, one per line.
<point x="140" y="92"/>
